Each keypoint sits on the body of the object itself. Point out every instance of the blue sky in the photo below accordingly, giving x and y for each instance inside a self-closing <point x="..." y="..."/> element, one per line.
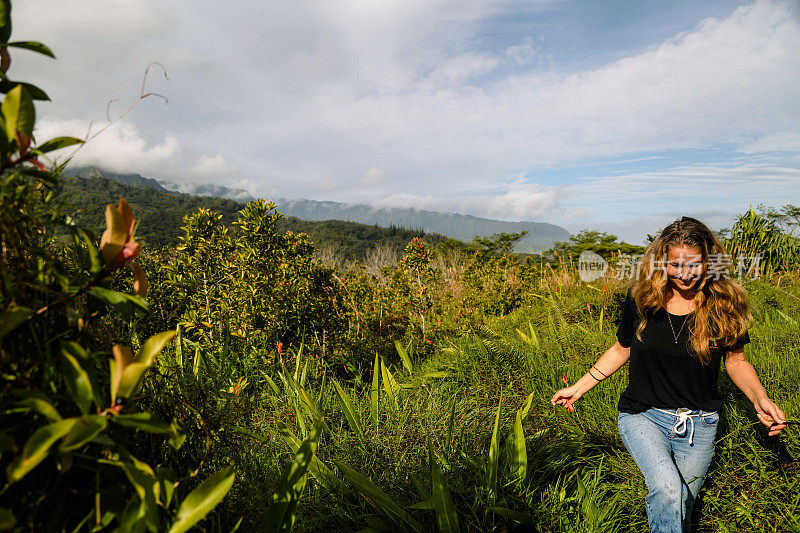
<point x="613" y="115"/>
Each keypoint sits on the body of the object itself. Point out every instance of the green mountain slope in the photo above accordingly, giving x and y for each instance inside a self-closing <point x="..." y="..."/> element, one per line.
<point x="159" y="214"/>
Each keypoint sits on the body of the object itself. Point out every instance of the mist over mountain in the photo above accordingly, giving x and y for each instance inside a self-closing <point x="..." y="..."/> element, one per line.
<point x="540" y="235"/>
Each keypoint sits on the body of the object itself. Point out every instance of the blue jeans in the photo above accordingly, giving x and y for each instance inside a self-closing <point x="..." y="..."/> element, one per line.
<point x="674" y="459"/>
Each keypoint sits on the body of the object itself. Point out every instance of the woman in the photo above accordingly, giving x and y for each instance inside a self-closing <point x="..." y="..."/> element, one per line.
<point x="681" y="316"/>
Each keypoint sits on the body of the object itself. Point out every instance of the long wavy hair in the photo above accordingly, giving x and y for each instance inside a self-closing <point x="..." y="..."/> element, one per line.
<point x="722" y="314"/>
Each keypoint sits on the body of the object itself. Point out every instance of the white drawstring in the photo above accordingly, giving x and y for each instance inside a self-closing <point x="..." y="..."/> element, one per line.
<point x="681" y="416"/>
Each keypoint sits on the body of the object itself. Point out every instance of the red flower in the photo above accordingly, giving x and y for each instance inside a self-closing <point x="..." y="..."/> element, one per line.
<point x="588" y="307"/>
<point x="429" y="341"/>
<point x="279" y="346"/>
<point x="564" y="378"/>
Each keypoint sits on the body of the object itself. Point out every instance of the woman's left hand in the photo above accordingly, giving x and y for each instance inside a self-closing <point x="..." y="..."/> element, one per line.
<point x="770" y="415"/>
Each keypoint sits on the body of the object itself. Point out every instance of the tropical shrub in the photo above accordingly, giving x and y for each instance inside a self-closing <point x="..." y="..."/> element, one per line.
<point x="70" y="386"/>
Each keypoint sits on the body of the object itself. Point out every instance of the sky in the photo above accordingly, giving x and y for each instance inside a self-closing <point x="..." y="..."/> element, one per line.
<point x="618" y="115"/>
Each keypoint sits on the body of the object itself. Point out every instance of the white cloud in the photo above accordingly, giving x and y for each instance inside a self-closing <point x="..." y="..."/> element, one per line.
<point x="371" y="177"/>
<point x="210" y="167"/>
<point x="521" y="201"/>
<point x="120" y="148"/>
<point x="301" y="97"/>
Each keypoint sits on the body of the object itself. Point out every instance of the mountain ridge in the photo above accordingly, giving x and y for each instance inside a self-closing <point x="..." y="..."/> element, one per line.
<point x="540" y="235"/>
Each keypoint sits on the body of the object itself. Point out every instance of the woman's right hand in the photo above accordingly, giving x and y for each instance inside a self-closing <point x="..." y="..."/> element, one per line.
<point x="566" y="397"/>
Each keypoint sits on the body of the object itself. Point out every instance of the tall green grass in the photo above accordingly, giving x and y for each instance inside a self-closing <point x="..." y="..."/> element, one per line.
<point x="466" y="439"/>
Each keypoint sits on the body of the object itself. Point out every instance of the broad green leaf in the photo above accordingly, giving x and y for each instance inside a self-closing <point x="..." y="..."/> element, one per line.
<point x="203" y="499"/>
<point x="271" y="383"/>
<point x="58" y="143"/>
<point x="94" y="254"/>
<point x="42" y="406"/>
<point x="282" y="511"/>
<point x="446" y="516"/>
<point x="144" y="421"/>
<point x="35" y="92"/>
<point x="18" y="112"/>
<point x="494" y="454"/>
<point x="7" y="519"/>
<point x="519" y="451"/>
<point x="132" y="377"/>
<point x="349" y="413"/>
<point x="379" y="499"/>
<point x="518" y="448"/>
<point x="166" y="478"/>
<point x="374" y="392"/>
<point x="308" y="403"/>
<point x="401" y="351"/>
<point x="78" y="380"/>
<point x="318" y="469"/>
<point x="33" y="46"/>
<point x="37" y="447"/>
<point x="147" y="488"/>
<point x="85" y="429"/>
<point x="153" y="346"/>
<point x="119" y="300"/>
<point x="11" y="318"/>
<point x="390" y="385"/>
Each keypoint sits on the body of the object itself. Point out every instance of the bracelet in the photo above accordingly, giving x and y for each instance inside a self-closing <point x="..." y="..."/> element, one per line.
<point x="601" y="372"/>
<point x="595" y="377"/>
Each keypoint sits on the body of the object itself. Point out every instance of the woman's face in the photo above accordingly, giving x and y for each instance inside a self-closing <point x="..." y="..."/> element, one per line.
<point x="684" y="266"/>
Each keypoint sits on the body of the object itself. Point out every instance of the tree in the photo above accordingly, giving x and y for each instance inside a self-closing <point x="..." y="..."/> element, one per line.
<point x="600" y="242"/>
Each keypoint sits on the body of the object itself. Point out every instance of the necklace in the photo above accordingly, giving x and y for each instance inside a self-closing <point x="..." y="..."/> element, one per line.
<point x="669" y="319"/>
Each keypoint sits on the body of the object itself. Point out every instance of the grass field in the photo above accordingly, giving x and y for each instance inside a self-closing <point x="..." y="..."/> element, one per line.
<point x="498" y="466"/>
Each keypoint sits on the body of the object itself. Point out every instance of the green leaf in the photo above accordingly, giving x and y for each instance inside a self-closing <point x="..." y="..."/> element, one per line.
<point x="78" y="380"/>
<point x="95" y="258"/>
<point x="153" y="346"/>
<point x="517" y="516"/>
<point x="494" y="455"/>
<point x="35" y="92"/>
<point x="390" y="385"/>
<point x="132" y="376"/>
<point x="125" y="303"/>
<point x="375" y="391"/>
<point x="18" y="112"/>
<point x="203" y="499"/>
<point x="12" y="318"/>
<point x="318" y="469"/>
<point x="7" y="519"/>
<point x="33" y="46"/>
<point x="144" y="421"/>
<point x="86" y="428"/>
<point x="58" y="143"/>
<point x="282" y="511"/>
<point x="518" y="447"/>
<point x="166" y="478"/>
<point x="519" y="451"/>
<point x="401" y="351"/>
<point x="446" y="516"/>
<point x="37" y="447"/>
<point x="41" y="405"/>
<point x="349" y="413"/>
<point x="5" y="20"/>
<point x="379" y="499"/>
<point x="144" y="482"/>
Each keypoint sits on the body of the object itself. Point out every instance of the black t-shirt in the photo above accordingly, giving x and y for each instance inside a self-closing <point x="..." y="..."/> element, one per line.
<point x="663" y="373"/>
